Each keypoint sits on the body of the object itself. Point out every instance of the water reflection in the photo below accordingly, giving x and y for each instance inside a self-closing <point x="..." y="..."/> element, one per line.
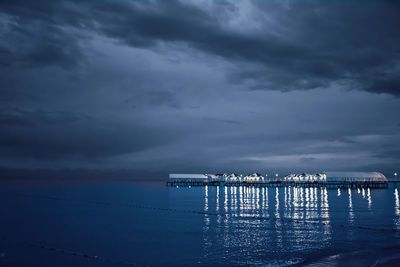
<point x="234" y="198"/>
<point x="369" y="198"/>
<point x="397" y="203"/>
<point x="325" y="212"/>
<point x="226" y="200"/>
<point x="206" y="198"/>
<point x="207" y="239"/>
<point x="278" y="222"/>
<point x="206" y="216"/>
<point x="217" y="200"/>
<point x="277" y="203"/>
<point x="396" y="219"/>
<point x="396" y="208"/>
<point x="251" y="221"/>
<point x="291" y="220"/>
<point x="351" y="212"/>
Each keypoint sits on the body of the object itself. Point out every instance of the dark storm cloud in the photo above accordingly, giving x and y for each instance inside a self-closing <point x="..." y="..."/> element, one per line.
<point x="390" y="85"/>
<point x="319" y="43"/>
<point x="326" y="42"/>
<point x="171" y="86"/>
<point x="32" y="42"/>
<point x="61" y="135"/>
<point x="148" y="23"/>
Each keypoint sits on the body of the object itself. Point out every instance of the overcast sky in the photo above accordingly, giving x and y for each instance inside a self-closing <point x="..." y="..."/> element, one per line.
<point x="140" y="89"/>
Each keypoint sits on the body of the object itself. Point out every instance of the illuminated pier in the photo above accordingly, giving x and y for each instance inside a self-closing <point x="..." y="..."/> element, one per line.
<point x="327" y="180"/>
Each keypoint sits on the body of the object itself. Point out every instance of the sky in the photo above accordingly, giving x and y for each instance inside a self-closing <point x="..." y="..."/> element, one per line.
<point x="140" y="89"/>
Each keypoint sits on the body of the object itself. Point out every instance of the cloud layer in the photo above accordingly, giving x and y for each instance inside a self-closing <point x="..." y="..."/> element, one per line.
<point x="144" y="88"/>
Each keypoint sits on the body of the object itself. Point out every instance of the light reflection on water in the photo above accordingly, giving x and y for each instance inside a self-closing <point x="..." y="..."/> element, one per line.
<point x="351" y="212"/>
<point x="396" y="208"/>
<point x="397" y="205"/>
<point x="246" y="212"/>
<point x="369" y="198"/>
<point x="287" y="219"/>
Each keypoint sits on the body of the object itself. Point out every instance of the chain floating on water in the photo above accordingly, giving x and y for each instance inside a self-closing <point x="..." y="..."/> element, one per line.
<point x="219" y="214"/>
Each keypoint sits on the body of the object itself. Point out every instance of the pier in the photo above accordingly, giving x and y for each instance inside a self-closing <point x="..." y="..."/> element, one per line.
<point x="325" y="179"/>
<point x="280" y="183"/>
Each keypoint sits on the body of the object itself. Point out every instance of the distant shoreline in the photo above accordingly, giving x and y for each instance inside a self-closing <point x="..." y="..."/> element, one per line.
<point x="40" y="180"/>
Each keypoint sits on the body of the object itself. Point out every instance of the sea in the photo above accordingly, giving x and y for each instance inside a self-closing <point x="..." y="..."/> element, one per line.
<point x="149" y="224"/>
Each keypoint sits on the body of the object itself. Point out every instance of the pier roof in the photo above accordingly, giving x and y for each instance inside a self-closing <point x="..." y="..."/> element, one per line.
<point x="355" y="175"/>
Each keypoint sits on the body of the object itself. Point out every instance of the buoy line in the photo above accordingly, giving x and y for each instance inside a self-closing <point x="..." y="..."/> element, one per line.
<point x="255" y="217"/>
<point x="81" y="254"/>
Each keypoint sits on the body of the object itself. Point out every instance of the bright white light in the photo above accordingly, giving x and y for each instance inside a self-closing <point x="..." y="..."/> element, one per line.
<point x="276" y="175"/>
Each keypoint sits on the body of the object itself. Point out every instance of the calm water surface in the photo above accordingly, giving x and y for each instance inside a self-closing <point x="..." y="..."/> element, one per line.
<point x="123" y="223"/>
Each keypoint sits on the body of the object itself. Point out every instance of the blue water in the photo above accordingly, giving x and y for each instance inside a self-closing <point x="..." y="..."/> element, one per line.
<point x="126" y="223"/>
